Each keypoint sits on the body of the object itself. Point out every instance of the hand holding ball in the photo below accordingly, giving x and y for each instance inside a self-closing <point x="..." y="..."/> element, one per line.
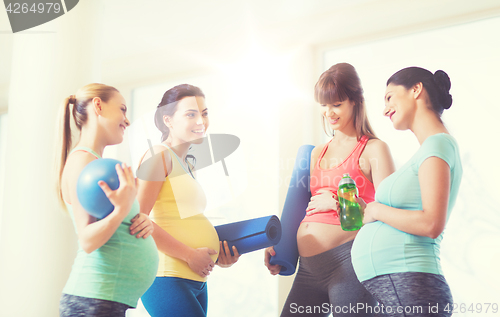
<point x="91" y="196"/>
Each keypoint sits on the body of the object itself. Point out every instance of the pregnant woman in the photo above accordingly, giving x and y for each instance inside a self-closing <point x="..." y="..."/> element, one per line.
<point x="116" y="260"/>
<point x="396" y="254"/>
<point x="325" y="277"/>
<point x="187" y="242"/>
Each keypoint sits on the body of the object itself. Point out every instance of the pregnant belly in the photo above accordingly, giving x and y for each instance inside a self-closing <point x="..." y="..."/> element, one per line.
<point x="139" y="254"/>
<point x="121" y="270"/>
<point x="315" y="238"/>
<point x="196" y="232"/>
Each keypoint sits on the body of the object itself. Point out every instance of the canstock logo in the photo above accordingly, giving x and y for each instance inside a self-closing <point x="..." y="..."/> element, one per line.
<point x="213" y="148"/>
<point x="207" y="151"/>
<point x="26" y="14"/>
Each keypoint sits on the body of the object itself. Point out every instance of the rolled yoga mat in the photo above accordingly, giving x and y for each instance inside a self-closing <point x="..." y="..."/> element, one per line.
<point x="294" y="210"/>
<point x="250" y="235"/>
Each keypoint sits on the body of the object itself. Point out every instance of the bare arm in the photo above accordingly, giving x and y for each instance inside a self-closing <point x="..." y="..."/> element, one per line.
<point x="381" y="163"/>
<point x="435" y="180"/>
<point x="93" y="234"/>
<point x="198" y="259"/>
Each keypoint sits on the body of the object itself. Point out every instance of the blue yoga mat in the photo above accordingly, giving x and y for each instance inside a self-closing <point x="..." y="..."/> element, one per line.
<point x="294" y="210"/>
<point x="250" y="235"/>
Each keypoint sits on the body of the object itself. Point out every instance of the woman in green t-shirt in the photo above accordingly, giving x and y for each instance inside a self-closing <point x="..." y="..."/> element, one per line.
<point x="116" y="261"/>
<point x="396" y="253"/>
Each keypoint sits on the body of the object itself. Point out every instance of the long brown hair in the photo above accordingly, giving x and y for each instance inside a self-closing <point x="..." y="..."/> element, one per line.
<point x="341" y="82"/>
<point x="80" y="102"/>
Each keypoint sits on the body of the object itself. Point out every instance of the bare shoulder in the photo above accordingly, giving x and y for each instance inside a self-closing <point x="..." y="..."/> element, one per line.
<point x="155" y="165"/>
<point x="380" y="159"/>
<point x="377" y="148"/>
<point x="316" y="152"/>
<point x="317" y="149"/>
<point x="154" y="155"/>
<point x="76" y="162"/>
<point x="72" y="170"/>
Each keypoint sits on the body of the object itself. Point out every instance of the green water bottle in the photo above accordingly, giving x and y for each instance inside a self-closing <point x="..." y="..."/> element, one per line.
<point x="351" y="217"/>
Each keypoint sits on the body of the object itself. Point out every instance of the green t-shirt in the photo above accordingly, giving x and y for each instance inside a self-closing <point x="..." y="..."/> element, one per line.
<point x="381" y="249"/>
<point x="121" y="270"/>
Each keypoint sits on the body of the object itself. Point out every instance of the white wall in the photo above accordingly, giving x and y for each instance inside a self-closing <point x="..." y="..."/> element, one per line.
<point x="38" y="241"/>
<point x="3" y="148"/>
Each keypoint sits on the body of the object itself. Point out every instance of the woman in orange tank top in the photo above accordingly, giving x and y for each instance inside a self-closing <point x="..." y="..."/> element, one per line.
<point x="325" y="282"/>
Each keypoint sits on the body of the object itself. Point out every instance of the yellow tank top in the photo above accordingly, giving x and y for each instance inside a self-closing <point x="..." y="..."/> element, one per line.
<point x="179" y="211"/>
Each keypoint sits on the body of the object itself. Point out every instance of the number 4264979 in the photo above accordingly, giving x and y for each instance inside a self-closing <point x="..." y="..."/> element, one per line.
<point x="478" y="308"/>
<point x="40" y="7"/>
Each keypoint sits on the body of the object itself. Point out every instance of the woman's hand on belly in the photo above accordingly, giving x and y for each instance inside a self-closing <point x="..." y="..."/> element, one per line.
<point x="323" y="201"/>
<point x="200" y="262"/>
<point x="142" y="225"/>
<point x="273" y="269"/>
<point x="315" y="237"/>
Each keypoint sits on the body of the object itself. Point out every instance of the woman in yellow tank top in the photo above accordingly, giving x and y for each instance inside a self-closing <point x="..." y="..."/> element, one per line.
<point x="187" y="242"/>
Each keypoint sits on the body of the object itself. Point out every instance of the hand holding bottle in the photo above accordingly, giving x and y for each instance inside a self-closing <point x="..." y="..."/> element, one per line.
<point x="351" y="216"/>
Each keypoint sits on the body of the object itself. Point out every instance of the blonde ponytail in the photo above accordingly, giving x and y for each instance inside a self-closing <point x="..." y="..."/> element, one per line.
<point x="79" y="114"/>
<point x="65" y="143"/>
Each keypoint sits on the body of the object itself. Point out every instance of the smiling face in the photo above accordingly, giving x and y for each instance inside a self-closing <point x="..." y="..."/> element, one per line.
<point x="113" y="113"/>
<point x="338" y="115"/>
<point x="400" y="106"/>
<point x="190" y="122"/>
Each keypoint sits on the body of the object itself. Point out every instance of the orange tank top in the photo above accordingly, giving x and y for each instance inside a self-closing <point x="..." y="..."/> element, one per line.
<point x="330" y="178"/>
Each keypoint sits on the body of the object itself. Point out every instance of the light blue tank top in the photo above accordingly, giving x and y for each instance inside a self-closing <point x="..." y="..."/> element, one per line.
<point x="121" y="270"/>
<point x="380" y="249"/>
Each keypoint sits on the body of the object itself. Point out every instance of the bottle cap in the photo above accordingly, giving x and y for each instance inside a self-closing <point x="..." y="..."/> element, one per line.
<point x="347" y="180"/>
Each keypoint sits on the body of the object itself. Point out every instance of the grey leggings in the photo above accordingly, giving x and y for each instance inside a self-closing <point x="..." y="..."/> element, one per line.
<point x="412" y="294"/>
<point x="326" y="283"/>
<point x="77" y="306"/>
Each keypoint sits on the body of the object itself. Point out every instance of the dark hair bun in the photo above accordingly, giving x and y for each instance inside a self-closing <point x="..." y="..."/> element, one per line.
<point x="443" y="85"/>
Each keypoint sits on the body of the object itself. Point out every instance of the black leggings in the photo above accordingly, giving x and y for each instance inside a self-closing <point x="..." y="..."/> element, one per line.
<point x="326" y="283"/>
<point x="77" y="306"/>
<point x="412" y="294"/>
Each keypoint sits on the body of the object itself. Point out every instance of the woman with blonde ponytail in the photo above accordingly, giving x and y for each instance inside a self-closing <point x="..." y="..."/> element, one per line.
<point x="117" y="259"/>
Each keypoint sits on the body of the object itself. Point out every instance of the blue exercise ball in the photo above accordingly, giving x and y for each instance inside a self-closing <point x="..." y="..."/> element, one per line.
<point x="91" y="196"/>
